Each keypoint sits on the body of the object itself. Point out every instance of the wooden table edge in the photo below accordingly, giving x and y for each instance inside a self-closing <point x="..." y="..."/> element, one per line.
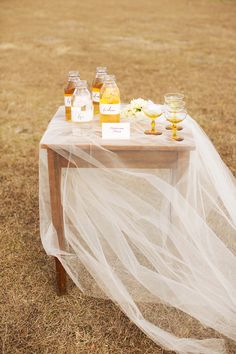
<point x="122" y="147"/>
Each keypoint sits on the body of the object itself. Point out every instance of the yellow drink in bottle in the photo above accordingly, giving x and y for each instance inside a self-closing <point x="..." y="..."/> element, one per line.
<point x="73" y="77"/>
<point x="96" y="87"/>
<point x="109" y="101"/>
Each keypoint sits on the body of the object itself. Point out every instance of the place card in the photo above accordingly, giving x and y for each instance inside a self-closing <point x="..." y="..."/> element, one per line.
<point x="116" y="131"/>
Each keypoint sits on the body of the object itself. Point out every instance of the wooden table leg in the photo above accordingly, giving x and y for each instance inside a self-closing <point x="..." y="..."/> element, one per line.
<point x="181" y="168"/>
<point x="54" y="173"/>
<point x="178" y="172"/>
<point x="60" y="277"/>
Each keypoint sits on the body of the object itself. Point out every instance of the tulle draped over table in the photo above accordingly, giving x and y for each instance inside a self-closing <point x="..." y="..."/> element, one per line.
<point x="149" y="223"/>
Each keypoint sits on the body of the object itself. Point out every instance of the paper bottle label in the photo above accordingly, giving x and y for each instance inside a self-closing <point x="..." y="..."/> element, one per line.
<point x="67" y="100"/>
<point x="96" y="95"/>
<point x="81" y="114"/>
<point x="109" y="109"/>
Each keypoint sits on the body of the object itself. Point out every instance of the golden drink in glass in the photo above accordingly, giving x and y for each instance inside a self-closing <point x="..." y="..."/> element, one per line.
<point x="174" y="102"/>
<point x="175" y="118"/>
<point x="152" y="111"/>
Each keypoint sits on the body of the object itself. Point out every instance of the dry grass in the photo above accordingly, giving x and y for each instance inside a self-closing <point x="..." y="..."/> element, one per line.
<point x="153" y="46"/>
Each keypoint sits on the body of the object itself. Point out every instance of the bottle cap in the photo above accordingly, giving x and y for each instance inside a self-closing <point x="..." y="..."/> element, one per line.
<point x="109" y="78"/>
<point x="101" y="69"/>
<point x="74" y="74"/>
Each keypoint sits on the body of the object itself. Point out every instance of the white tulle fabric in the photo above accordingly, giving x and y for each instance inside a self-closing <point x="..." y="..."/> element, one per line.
<point x="133" y="236"/>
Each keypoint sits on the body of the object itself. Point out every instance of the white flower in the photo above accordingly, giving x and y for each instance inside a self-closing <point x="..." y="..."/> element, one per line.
<point x="138" y="103"/>
<point x="128" y="111"/>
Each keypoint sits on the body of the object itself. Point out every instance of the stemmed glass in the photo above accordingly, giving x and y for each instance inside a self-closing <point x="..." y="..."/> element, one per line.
<point x="152" y="111"/>
<point x="174" y="102"/>
<point x="169" y="97"/>
<point x="175" y="118"/>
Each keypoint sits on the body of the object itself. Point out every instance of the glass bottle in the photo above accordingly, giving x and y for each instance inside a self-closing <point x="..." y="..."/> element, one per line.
<point x="81" y="103"/>
<point x="109" y="101"/>
<point x="73" y="77"/>
<point x="96" y="86"/>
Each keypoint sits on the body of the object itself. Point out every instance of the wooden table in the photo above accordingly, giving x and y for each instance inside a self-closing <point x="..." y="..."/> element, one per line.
<point x="148" y="152"/>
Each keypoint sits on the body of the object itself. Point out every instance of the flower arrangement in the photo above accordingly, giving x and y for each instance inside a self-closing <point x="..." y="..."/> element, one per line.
<point x="133" y="108"/>
<point x="138" y="109"/>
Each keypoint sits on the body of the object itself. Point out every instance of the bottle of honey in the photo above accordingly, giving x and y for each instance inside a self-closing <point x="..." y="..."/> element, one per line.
<point x="96" y="87"/>
<point x="73" y="77"/>
<point x="109" y="101"/>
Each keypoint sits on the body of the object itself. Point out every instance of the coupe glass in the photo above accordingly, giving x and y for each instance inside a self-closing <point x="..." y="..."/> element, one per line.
<point x="175" y="118"/>
<point x="169" y="97"/>
<point x="153" y="111"/>
<point x="174" y="102"/>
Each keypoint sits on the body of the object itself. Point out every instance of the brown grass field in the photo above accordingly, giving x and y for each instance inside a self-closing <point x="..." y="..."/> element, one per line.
<point x="153" y="47"/>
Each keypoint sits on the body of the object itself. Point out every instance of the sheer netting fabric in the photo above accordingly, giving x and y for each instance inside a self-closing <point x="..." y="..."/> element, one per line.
<point x="160" y="242"/>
